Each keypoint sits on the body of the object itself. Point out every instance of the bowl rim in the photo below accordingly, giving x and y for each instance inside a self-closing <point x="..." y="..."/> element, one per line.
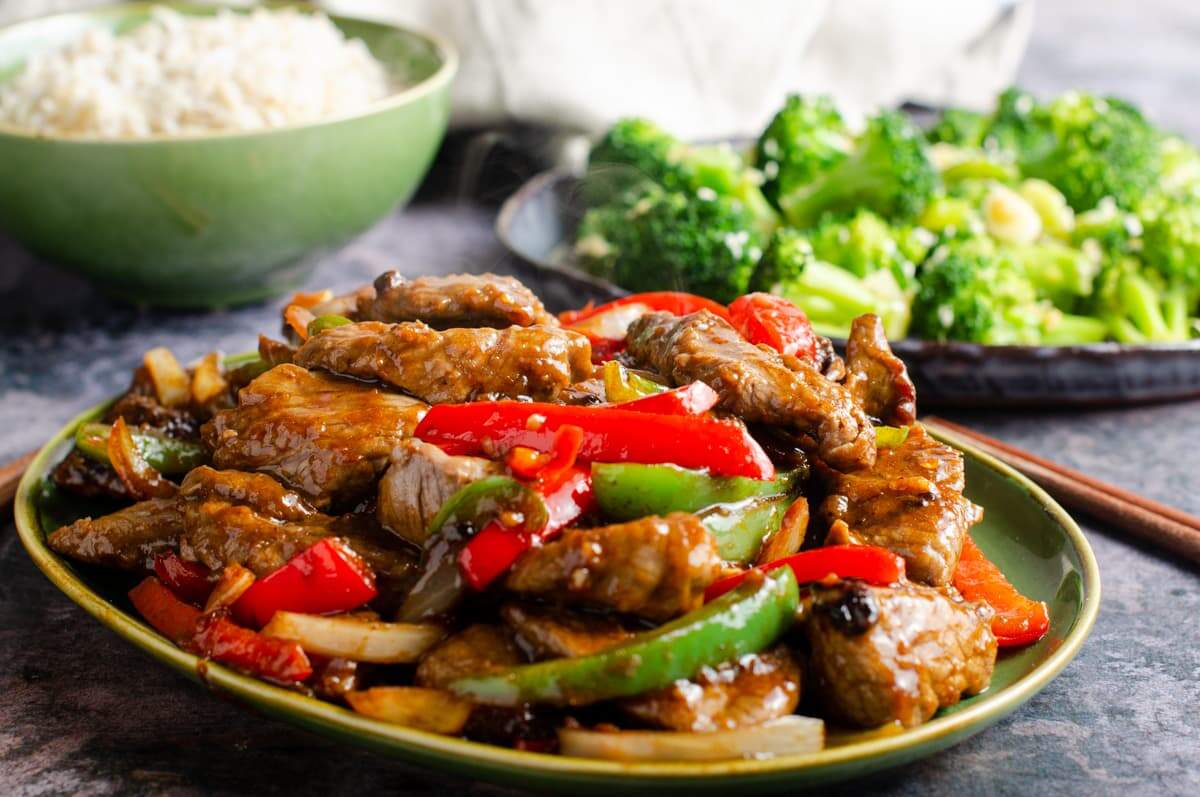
<point x="871" y="753"/>
<point x="908" y="347"/>
<point x="446" y="52"/>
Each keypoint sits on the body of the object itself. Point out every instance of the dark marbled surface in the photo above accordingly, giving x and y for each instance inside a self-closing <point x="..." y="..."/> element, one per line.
<point x="82" y="712"/>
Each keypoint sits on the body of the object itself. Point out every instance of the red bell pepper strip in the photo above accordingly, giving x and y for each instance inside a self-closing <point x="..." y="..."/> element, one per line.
<point x="603" y="349"/>
<point x="675" y="302"/>
<point x="214" y="636"/>
<point x="773" y="320"/>
<point x="283" y="660"/>
<point x="866" y="562"/>
<point x="164" y="611"/>
<point x="610" y="434"/>
<point x="326" y="577"/>
<point x="568" y="441"/>
<point x="495" y="548"/>
<point x="191" y="581"/>
<point x="1019" y="620"/>
<point x="694" y="399"/>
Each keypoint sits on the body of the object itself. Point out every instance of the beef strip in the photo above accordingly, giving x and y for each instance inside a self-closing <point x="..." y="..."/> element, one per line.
<point x="877" y="378"/>
<point x="751" y="690"/>
<point x="419" y="480"/>
<point x="476" y="650"/>
<point x="85" y="476"/>
<point x="755" y="383"/>
<point x="329" y="439"/>
<point x="250" y="519"/>
<point x="455" y="365"/>
<point x="455" y="300"/>
<point x="885" y="654"/>
<point x="655" y="567"/>
<point x="910" y="502"/>
<point x="127" y="539"/>
<point x="551" y="633"/>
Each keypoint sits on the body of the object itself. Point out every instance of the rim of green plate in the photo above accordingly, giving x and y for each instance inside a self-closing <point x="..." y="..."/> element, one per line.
<point x="446" y="52"/>
<point x="284" y="701"/>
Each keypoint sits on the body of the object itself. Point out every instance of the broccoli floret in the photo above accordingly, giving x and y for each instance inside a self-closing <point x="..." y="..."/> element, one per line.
<point x="1103" y="147"/>
<point x="956" y="164"/>
<point x="1171" y="238"/>
<point x="635" y="149"/>
<point x="959" y="127"/>
<point x="804" y="138"/>
<point x="1019" y="127"/>
<point x="1180" y="167"/>
<point x="1140" y="306"/>
<point x="831" y="296"/>
<point x="967" y="294"/>
<point x="1107" y="233"/>
<point x="866" y="243"/>
<point x="603" y="234"/>
<point x="1060" y="273"/>
<point x="701" y="242"/>
<point x="888" y="172"/>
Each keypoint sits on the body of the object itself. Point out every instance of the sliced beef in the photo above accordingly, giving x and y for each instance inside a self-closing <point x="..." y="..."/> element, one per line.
<point x="910" y="501"/>
<point x="885" y="654"/>
<point x="751" y="690"/>
<point x="250" y="519"/>
<point x="126" y="539"/>
<point x="420" y="479"/>
<point x="456" y="365"/>
<point x="655" y="567"/>
<point x="329" y="439"/>
<point x="476" y="650"/>
<point x="85" y="476"/>
<point x="552" y="633"/>
<point x="877" y="378"/>
<point x="755" y="383"/>
<point x="588" y="393"/>
<point x="455" y="300"/>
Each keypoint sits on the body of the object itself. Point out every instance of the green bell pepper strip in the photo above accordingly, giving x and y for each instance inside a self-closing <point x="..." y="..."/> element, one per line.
<point x="482" y="500"/>
<point x="627" y="490"/>
<point x="747" y="620"/>
<point x="323" y="322"/>
<point x="739" y="529"/>
<point x="166" y="455"/>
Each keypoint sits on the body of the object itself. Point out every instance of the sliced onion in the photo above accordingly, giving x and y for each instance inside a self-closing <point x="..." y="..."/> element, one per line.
<point x="298" y="318"/>
<point x="790" y="535"/>
<point x="784" y="736"/>
<point x="234" y="580"/>
<point x="427" y="709"/>
<point x="612" y="324"/>
<point x="207" y="380"/>
<point x="354" y="638"/>
<point x="141" y="480"/>
<point x="171" y="383"/>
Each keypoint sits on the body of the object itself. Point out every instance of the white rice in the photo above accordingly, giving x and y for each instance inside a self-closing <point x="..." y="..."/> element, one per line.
<point x="180" y="74"/>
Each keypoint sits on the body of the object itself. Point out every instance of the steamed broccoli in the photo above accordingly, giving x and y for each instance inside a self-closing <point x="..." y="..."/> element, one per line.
<point x="803" y="139"/>
<point x="1140" y="306"/>
<point x="959" y="127"/>
<point x="1102" y="147"/>
<point x="1019" y="127"/>
<point x="832" y="297"/>
<point x="968" y="294"/>
<point x="635" y="149"/>
<point x="1180" y="167"/>
<point x="1171" y="238"/>
<point x="866" y="243"/>
<point x="888" y="172"/>
<point x="655" y="239"/>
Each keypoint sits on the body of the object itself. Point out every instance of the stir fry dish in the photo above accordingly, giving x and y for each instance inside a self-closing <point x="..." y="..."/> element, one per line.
<point x="658" y="529"/>
<point x="1068" y="221"/>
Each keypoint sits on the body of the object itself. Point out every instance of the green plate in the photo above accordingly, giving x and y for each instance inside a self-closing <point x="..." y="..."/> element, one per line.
<point x="1036" y="543"/>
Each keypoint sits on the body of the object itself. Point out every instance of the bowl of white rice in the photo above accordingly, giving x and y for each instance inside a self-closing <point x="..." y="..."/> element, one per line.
<point x="185" y="155"/>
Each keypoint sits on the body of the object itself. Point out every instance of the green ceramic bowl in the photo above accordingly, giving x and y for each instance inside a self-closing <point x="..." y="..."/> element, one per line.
<point x="217" y="219"/>
<point x="1036" y="543"/>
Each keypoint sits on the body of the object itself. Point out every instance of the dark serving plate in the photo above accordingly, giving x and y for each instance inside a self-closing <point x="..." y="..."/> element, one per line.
<point x="537" y="224"/>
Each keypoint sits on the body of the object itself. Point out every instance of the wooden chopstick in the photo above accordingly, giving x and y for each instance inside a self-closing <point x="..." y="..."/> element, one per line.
<point x="10" y="477"/>
<point x="1167" y="527"/>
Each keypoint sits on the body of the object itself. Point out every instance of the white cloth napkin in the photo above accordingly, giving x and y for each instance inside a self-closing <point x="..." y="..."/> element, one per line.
<point x="703" y="68"/>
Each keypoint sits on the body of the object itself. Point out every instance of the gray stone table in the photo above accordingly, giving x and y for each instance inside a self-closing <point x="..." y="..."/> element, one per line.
<point x="83" y="712"/>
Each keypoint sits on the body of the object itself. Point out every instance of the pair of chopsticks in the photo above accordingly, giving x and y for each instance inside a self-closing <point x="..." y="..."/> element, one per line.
<point x="1156" y="523"/>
